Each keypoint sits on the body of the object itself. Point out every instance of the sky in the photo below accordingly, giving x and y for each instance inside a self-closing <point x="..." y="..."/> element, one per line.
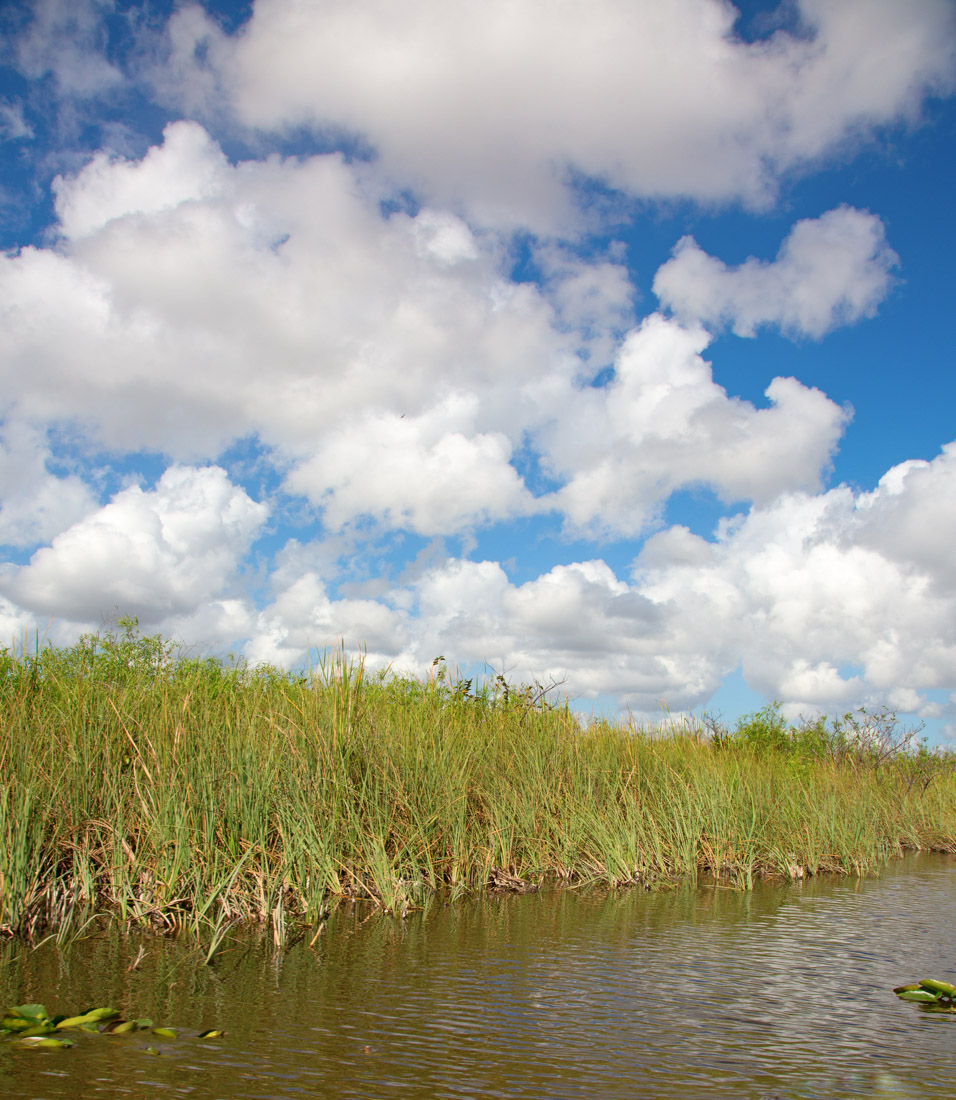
<point x="598" y="342"/>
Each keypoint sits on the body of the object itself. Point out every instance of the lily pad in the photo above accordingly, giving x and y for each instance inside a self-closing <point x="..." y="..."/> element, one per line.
<point x="40" y="1042"/>
<point x="120" y="1027"/>
<point x="920" y="996"/>
<point x="71" y="1021"/>
<point x="941" y="989"/>
<point x="37" y="1029"/>
<point x="30" y="1024"/>
<point x="929" y="992"/>
<point x="23" y="1018"/>
<point x="28" y="1012"/>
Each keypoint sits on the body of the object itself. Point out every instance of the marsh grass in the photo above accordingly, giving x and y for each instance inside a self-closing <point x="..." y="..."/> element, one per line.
<point x="191" y="794"/>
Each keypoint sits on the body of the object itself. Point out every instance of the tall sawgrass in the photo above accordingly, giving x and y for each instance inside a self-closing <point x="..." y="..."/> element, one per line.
<point x="189" y="794"/>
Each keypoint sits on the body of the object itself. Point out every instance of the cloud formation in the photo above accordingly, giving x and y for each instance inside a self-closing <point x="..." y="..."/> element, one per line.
<point x="830" y="271"/>
<point x="824" y="600"/>
<point x="428" y="330"/>
<point x="494" y="104"/>
<point x="64" y="39"/>
<point x="35" y="504"/>
<point x="663" y="424"/>
<point x="433" y="473"/>
<point x="190" y="303"/>
<point x="389" y="362"/>
<point x="152" y="554"/>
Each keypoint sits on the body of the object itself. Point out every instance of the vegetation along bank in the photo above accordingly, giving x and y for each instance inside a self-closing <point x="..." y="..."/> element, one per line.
<point x="189" y="794"/>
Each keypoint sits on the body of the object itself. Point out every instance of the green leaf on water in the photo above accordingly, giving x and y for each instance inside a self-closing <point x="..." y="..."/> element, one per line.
<point x="921" y="996"/>
<point x="151" y="1050"/>
<point x="28" y="1012"/>
<point x="942" y="989"/>
<point x="39" y="1042"/>
<point x="211" y="1033"/>
<point x="65" y="1022"/>
<point x="906" y="988"/>
<point x="120" y="1027"/>
<point x="31" y="1023"/>
<point x="15" y="1023"/>
<point x="37" y="1029"/>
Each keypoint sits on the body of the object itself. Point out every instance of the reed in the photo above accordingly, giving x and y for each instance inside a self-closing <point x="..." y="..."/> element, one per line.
<point x="187" y="794"/>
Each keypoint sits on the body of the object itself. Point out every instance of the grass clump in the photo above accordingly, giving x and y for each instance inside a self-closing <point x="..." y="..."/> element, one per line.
<point x="189" y="794"/>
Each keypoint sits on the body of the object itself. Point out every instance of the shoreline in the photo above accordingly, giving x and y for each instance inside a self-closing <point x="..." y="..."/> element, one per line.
<point x="186" y="796"/>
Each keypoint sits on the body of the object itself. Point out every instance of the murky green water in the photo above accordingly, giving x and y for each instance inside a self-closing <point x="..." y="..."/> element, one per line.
<point x="693" y="993"/>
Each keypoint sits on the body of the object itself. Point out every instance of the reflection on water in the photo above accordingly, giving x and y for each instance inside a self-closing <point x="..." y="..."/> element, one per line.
<point x="785" y="991"/>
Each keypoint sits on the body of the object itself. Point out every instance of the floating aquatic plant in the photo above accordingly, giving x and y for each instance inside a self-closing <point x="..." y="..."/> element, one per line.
<point x="32" y="1026"/>
<point x="933" y="995"/>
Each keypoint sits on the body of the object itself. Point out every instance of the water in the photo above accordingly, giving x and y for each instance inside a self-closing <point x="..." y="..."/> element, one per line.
<point x="785" y="991"/>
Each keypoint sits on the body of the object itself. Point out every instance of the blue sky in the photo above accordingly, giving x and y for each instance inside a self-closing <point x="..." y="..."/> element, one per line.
<point x="605" y="342"/>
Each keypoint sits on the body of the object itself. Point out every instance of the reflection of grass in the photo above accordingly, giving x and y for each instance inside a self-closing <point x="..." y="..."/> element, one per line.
<point x="186" y="794"/>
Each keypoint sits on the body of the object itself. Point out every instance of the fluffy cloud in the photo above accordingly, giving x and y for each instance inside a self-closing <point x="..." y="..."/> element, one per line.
<point x="16" y="626"/>
<point x="492" y="104"/>
<point x="191" y="303"/>
<point x="830" y="606"/>
<point x="153" y="554"/>
<point x="431" y="473"/>
<point x="64" y="38"/>
<point x="388" y="363"/>
<point x="830" y="271"/>
<point x="188" y="167"/>
<point x="827" y="601"/>
<point x="304" y="618"/>
<point x="594" y="298"/>
<point x="910" y="519"/>
<point x="663" y="424"/>
<point x="385" y="364"/>
<point x="826" y="604"/>
<point x="576" y="623"/>
<point x="35" y="504"/>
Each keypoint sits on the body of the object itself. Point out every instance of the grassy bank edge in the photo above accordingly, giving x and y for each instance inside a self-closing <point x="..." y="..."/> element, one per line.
<point x="186" y="794"/>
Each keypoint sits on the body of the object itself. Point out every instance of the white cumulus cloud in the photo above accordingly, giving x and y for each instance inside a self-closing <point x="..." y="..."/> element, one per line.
<point x="150" y="553"/>
<point x="35" y="504"/>
<point x="431" y="473"/>
<point x="303" y="618"/>
<point x="188" y="167"/>
<point x="355" y="321"/>
<point x="190" y="303"/>
<point x="830" y="271"/>
<point x="826" y="601"/>
<point x="663" y="424"/>
<point x="911" y="519"/>
<point x="828" y="606"/>
<point x="492" y="104"/>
